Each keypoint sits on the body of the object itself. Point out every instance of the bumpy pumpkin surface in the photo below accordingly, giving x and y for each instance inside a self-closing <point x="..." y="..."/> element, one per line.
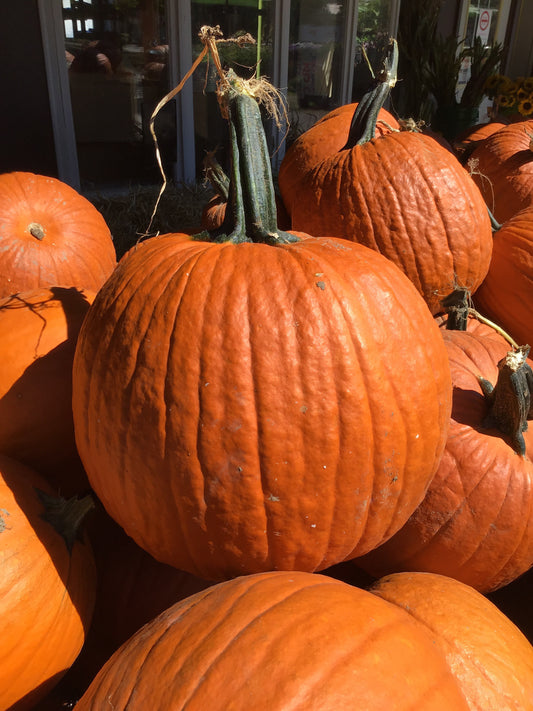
<point x="50" y="235"/>
<point x="401" y="194"/>
<point x="39" y="332"/>
<point x="490" y="657"/>
<point x="278" y="641"/>
<point x="241" y="407"/>
<point x="47" y="590"/>
<point x="505" y="295"/>
<point x="476" y="521"/>
<point x="502" y="167"/>
<point x="329" y="135"/>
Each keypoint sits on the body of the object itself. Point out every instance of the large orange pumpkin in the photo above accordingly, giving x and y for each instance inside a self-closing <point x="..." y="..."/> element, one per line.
<point x="489" y="656"/>
<point x="505" y="295"/>
<point x="276" y="641"/>
<point x="39" y="332"/>
<point x="47" y="585"/>
<point x="263" y="400"/>
<point x="476" y="520"/>
<point x="401" y="194"/>
<point x="50" y="235"/>
<point x="502" y="167"/>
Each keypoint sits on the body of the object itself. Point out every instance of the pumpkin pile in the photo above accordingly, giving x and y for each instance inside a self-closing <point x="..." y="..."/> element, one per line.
<point x="291" y="477"/>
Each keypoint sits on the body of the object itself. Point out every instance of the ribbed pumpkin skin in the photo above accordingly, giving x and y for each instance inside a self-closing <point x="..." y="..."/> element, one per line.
<point x="490" y="657"/>
<point x="76" y="250"/>
<point x="505" y="296"/>
<point x="39" y="332"/>
<point x="328" y="136"/>
<point x="403" y="195"/>
<point x="476" y="521"/>
<point x="241" y="408"/>
<point x="46" y="593"/>
<point x="478" y="132"/>
<point x="277" y="641"/>
<point x="503" y="170"/>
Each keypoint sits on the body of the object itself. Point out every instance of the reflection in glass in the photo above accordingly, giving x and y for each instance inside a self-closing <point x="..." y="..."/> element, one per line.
<point x="373" y="33"/>
<point x="116" y="53"/>
<point x="315" y="46"/>
<point x="234" y="18"/>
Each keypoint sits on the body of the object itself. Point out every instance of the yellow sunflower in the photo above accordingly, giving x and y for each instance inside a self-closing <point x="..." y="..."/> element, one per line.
<point x="525" y="107"/>
<point x="492" y="84"/>
<point x="505" y="101"/>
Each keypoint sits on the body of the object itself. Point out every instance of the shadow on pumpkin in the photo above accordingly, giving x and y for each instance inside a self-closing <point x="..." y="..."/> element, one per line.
<point x="469" y="408"/>
<point x="66" y="544"/>
<point x="36" y="424"/>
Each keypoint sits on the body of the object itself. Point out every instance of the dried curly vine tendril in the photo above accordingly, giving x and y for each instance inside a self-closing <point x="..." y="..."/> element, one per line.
<point x="264" y="92"/>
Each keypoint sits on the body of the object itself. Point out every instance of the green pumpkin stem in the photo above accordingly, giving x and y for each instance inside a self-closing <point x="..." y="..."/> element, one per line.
<point x="363" y="126"/>
<point x="65" y="515"/>
<point x="509" y="401"/>
<point x="251" y="214"/>
<point x="494" y="222"/>
<point x="458" y="307"/>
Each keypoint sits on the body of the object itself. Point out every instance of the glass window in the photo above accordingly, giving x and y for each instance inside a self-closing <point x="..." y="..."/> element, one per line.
<point x="374" y="20"/>
<point x="315" y="44"/>
<point x="234" y="18"/>
<point x="116" y="52"/>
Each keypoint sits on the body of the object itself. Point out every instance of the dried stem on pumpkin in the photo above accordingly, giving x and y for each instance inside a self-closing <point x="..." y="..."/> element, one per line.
<point x="261" y="89"/>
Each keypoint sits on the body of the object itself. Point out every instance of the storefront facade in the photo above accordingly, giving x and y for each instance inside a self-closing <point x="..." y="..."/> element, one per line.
<point x="316" y="52"/>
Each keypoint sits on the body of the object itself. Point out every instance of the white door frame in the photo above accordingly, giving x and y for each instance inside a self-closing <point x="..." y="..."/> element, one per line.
<point x="51" y="19"/>
<point x="501" y="28"/>
<point x="180" y="60"/>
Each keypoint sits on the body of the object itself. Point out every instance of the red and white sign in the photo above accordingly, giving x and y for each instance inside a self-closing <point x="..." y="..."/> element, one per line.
<point x="483" y="25"/>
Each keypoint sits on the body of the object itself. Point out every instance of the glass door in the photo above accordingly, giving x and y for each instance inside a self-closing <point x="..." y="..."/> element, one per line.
<point x="116" y="53"/>
<point x="376" y="22"/>
<point x="237" y="17"/>
<point x="316" y="34"/>
<point x="486" y="20"/>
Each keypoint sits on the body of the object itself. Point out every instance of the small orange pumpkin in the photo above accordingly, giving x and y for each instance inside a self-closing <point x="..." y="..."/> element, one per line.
<point x="489" y="656"/>
<point x="39" y="334"/>
<point x="47" y="585"/>
<point x="50" y="235"/>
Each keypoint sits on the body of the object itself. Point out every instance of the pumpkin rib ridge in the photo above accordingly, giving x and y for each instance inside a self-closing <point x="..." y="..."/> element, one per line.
<point x="358" y="352"/>
<point x="408" y="256"/>
<point x="103" y="347"/>
<point x="317" y="308"/>
<point x="197" y="261"/>
<point x="255" y="383"/>
<point x="174" y="482"/>
<point x="498" y="571"/>
<point x="430" y="194"/>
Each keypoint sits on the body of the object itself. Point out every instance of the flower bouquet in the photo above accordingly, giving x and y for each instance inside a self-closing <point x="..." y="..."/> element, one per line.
<point x="512" y="98"/>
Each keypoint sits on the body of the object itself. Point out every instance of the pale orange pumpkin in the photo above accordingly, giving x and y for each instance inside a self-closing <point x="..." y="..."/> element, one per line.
<point x="47" y="585"/>
<point x="50" y="235"/>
